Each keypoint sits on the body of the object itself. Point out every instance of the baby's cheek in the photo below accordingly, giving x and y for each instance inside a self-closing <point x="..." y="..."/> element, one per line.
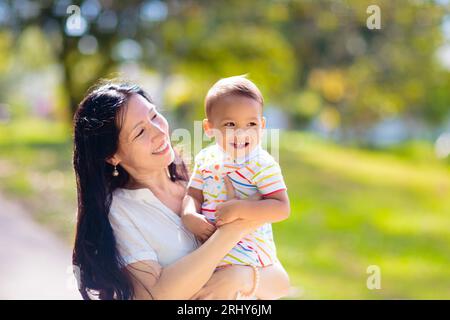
<point x="255" y="135"/>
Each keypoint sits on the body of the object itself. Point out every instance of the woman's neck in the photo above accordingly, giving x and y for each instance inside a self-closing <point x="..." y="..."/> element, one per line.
<point x="158" y="180"/>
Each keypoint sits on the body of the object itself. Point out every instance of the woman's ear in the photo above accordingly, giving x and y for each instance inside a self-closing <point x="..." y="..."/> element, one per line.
<point x="114" y="160"/>
<point x="263" y="124"/>
<point x="207" y="127"/>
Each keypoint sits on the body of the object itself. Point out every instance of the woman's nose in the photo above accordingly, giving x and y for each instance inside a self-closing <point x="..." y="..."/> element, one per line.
<point x="156" y="130"/>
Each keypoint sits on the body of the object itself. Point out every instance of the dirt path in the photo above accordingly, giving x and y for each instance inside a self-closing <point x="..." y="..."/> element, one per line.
<point x="34" y="263"/>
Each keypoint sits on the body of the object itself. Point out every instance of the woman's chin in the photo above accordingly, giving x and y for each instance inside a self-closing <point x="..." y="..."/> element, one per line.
<point x="169" y="157"/>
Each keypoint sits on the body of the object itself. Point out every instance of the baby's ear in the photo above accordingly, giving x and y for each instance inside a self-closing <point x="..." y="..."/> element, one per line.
<point x="207" y="127"/>
<point x="263" y="124"/>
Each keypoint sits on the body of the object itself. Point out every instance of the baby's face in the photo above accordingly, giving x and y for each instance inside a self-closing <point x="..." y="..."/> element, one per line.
<point x="236" y="123"/>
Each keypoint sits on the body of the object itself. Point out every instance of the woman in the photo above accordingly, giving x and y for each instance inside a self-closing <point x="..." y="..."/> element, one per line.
<point x="130" y="242"/>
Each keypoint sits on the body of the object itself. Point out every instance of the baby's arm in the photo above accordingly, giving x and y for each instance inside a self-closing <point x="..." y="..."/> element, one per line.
<point x="271" y="208"/>
<point x="194" y="221"/>
<point x="192" y="201"/>
<point x="274" y="205"/>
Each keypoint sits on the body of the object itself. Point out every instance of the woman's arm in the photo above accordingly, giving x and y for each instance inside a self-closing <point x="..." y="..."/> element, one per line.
<point x="183" y="278"/>
<point x="274" y="282"/>
<point x="226" y="283"/>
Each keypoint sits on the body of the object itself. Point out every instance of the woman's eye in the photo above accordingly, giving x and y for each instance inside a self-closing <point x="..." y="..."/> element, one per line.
<point x="229" y="124"/>
<point x="140" y="133"/>
<point x="252" y="124"/>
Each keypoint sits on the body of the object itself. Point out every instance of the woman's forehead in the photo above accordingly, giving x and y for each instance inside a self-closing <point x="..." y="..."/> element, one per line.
<point x="137" y="109"/>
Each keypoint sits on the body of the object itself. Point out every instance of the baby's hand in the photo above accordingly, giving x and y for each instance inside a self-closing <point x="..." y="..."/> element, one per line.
<point x="198" y="225"/>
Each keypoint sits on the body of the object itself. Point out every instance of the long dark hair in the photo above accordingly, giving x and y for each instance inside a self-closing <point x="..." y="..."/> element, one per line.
<point x="97" y="124"/>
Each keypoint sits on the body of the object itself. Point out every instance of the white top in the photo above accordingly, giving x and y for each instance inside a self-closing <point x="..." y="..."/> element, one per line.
<point x="146" y="229"/>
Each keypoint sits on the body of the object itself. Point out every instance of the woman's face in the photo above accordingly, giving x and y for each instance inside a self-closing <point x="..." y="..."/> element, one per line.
<point x="144" y="144"/>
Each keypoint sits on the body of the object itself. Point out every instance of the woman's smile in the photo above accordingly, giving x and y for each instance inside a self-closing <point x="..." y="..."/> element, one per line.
<point x="162" y="149"/>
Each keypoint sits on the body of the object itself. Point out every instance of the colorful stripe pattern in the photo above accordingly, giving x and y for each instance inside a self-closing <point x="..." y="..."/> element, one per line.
<point x="259" y="172"/>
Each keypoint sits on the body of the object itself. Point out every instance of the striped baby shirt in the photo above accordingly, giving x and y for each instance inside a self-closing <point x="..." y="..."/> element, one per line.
<point x="257" y="172"/>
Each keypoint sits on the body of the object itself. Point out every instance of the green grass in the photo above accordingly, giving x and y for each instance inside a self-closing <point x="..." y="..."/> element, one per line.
<point x="351" y="208"/>
<point x="36" y="169"/>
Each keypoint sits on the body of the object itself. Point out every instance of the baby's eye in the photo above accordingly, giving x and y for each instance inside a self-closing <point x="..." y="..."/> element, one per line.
<point x="228" y="124"/>
<point x="252" y="124"/>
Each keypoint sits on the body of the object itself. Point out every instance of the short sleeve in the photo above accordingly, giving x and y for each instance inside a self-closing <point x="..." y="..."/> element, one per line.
<point x="130" y="243"/>
<point x="196" y="180"/>
<point x="268" y="178"/>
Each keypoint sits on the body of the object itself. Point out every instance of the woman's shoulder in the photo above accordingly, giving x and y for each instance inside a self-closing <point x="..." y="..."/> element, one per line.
<point x="125" y="200"/>
<point x="119" y="203"/>
<point x="138" y="204"/>
<point x="120" y="196"/>
<point x="131" y="207"/>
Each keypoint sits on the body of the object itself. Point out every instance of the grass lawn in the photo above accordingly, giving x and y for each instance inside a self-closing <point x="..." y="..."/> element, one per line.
<point x="36" y="169"/>
<point x="351" y="208"/>
<point x="354" y="208"/>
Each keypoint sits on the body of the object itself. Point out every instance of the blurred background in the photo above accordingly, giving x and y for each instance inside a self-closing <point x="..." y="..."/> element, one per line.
<point x="364" y="115"/>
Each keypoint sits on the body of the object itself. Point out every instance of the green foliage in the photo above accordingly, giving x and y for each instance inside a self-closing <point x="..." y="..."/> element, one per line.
<point x="32" y="131"/>
<point x="315" y="59"/>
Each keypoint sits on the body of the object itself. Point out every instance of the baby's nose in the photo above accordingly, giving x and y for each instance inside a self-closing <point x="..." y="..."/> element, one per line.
<point x="240" y="133"/>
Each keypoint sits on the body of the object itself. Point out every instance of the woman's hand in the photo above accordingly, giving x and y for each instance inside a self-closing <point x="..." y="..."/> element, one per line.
<point x="233" y="208"/>
<point x="226" y="283"/>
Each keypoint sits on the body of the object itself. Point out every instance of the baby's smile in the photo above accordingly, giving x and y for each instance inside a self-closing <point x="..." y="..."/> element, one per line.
<point x="240" y="145"/>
